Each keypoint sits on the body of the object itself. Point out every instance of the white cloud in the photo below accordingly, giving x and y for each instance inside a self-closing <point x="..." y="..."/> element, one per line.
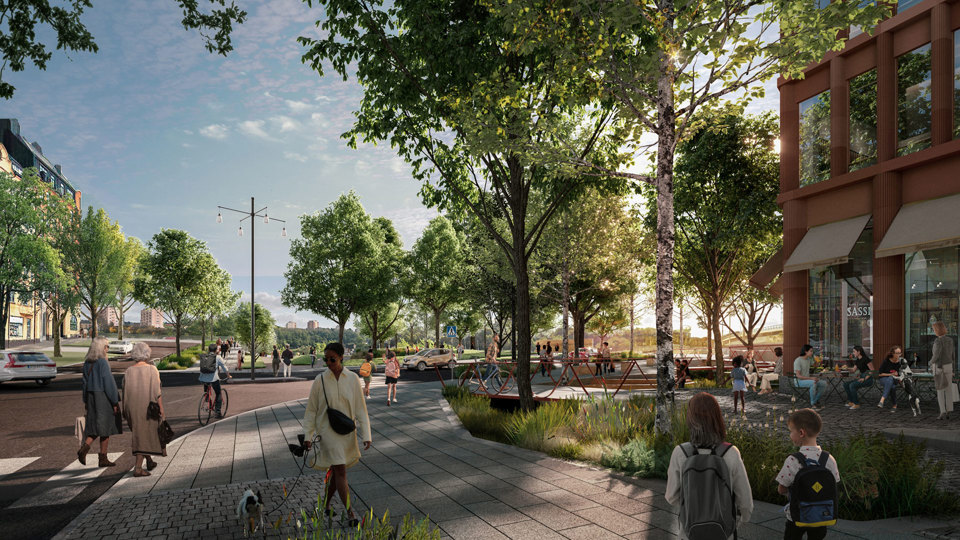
<point x="187" y="132"/>
<point x="214" y="131"/>
<point x="254" y="128"/>
<point x="298" y="106"/>
<point x="285" y="123"/>
<point x="295" y="156"/>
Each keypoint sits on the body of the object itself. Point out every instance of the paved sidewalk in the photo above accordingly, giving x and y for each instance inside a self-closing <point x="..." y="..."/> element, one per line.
<point x="423" y="463"/>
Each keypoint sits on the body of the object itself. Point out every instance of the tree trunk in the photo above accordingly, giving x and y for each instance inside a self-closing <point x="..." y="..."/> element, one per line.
<point x="340" y="326"/>
<point x="522" y="324"/>
<point x="375" y="328"/>
<point x="566" y="313"/>
<point x="681" y="328"/>
<point x="177" y="324"/>
<point x="4" y="315"/>
<point x="120" y="312"/>
<point x="633" y="303"/>
<point x="58" y="321"/>
<point x="709" y="343"/>
<point x="94" y="313"/>
<point x="718" y="341"/>
<point x="436" y="323"/>
<point x="666" y="124"/>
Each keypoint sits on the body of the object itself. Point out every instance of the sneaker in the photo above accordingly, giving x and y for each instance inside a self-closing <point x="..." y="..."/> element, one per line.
<point x="849" y="404"/>
<point x="818" y="406"/>
<point x="880" y="405"/>
<point x="893" y="410"/>
<point x="854" y="407"/>
<point x="394" y="400"/>
<point x="918" y="405"/>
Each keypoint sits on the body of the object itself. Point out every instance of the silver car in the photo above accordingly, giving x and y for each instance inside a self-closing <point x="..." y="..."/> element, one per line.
<point x="120" y="347"/>
<point x="27" y="366"/>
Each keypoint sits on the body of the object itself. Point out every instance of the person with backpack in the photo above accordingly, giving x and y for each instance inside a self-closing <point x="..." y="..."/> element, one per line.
<point x="809" y="477"/>
<point x="366" y="368"/>
<point x="287" y="360"/>
<point x="210" y="368"/>
<point x="706" y="478"/>
<point x="276" y="360"/>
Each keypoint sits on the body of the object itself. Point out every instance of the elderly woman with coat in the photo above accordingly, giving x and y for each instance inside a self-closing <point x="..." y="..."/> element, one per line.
<point x="141" y="387"/>
<point x="101" y="401"/>
<point x="942" y="361"/>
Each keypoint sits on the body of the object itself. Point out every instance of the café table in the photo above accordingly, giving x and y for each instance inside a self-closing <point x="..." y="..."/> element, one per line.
<point x="834" y="380"/>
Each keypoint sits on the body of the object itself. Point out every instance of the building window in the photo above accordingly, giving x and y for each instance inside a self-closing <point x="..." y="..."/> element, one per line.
<point x="841" y="303"/>
<point x="863" y="120"/>
<point x="815" y="139"/>
<point x="914" y="103"/>
<point x="16" y="327"/>
<point x="932" y="285"/>
<point x="956" y="84"/>
<point x="73" y="324"/>
<point x="903" y="5"/>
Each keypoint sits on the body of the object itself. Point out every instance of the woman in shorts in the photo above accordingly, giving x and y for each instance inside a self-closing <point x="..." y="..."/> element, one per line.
<point x="392" y="371"/>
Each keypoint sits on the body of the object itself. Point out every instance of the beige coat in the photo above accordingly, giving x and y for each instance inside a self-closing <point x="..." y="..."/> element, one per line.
<point x="141" y="385"/>
<point x="346" y="395"/>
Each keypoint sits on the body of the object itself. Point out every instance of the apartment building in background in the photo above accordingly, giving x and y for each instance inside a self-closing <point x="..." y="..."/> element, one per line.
<point x="291" y="324"/>
<point x="151" y="318"/>
<point x="313" y="325"/>
<point x="870" y="190"/>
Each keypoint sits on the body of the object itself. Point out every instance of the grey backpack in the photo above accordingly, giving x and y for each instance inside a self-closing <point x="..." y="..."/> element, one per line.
<point x="208" y="363"/>
<point x="708" y="511"/>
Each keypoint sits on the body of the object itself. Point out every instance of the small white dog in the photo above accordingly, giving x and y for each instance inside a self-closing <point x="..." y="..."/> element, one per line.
<point x="250" y="511"/>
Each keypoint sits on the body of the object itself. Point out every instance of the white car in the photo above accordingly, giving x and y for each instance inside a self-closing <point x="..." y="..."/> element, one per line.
<point x="27" y="366"/>
<point x="120" y="347"/>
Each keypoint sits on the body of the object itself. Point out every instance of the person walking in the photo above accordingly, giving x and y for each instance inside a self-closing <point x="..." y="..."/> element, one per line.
<point x="224" y="349"/>
<point x="391" y="370"/>
<point x="863" y="377"/>
<point x="765" y="381"/>
<point x="276" y="361"/>
<point x="313" y="356"/>
<point x="492" y="365"/>
<point x="707" y="437"/>
<point x="336" y="389"/>
<point x="101" y="402"/>
<point x="801" y="369"/>
<point x="287" y="357"/>
<point x="366" y="372"/>
<point x="240" y="359"/>
<point x="942" y="362"/>
<point x="143" y="409"/>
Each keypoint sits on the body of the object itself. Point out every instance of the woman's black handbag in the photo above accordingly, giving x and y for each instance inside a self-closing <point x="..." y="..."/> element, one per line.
<point x="153" y="411"/>
<point x="165" y="432"/>
<point x="118" y="418"/>
<point x="339" y="422"/>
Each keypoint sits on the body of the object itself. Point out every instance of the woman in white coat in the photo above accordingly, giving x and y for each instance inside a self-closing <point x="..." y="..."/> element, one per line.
<point x="339" y="389"/>
<point x="942" y="361"/>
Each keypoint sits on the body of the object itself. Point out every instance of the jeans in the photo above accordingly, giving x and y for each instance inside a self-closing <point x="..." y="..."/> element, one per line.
<point x="493" y="370"/>
<point x="852" y="386"/>
<point x="890" y="390"/>
<point x="816" y="389"/>
<point x="216" y="390"/>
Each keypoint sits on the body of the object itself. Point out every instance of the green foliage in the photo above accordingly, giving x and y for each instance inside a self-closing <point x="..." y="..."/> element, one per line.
<point x="20" y="42"/>
<point x="265" y="328"/>
<point x="480" y="419"/>
<point x="534" y="429"/>
<point x="435" y="263"/>
<point x="318" y="337"/>
<point x="312" y="526"/>
<point x="636" y="458"/>
<point x="605" y="418"/>
<point x="566" y="450"/>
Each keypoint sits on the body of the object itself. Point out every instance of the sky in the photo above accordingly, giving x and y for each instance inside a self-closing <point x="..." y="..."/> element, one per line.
<point x="159" y="132"/>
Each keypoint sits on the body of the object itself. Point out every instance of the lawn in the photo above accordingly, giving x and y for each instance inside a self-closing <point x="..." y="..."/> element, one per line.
<point x="67" y="358"/>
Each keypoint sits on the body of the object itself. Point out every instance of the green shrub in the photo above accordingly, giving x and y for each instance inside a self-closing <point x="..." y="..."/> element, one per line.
<point x="480" y="419"/>
<point x="313" y="527"/>
<point x="162" y="364"/>
<point x="566" y="450"/>
<point x="620" y="421"/>
<point x="534" y="429"/>
<point x="702" y="382"/>
<point x="182" y="361"/>
<point x="635" y="458"/>
<point x="453" y="391"/>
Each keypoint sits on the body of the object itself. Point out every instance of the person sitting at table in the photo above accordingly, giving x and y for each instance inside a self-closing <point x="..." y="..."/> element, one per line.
<point x="750" y="366"/>
<point x="889" y="371"/>
<point x="683" y="372"/>
<point x="801" y="369"/>
<point x="862" y="377"/>
<point x="768" y="378"/>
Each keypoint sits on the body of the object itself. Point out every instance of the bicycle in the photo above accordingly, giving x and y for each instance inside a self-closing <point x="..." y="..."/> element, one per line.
<point x="475" y="380"/>
<point x="208" y="402"/>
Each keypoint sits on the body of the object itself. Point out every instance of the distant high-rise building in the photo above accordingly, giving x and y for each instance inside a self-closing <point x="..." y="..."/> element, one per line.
<point x="152" y="318"/>
<point x="291" y="324"/>
<point x="313" y="325"/>
<point x="108" y="317"/>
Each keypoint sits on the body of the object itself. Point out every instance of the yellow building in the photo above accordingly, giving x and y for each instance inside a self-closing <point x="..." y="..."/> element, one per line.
<point x="29" y="318"/>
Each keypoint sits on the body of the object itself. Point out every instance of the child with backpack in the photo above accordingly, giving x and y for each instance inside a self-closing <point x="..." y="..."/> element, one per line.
<point x="810" y="478"/>
<point x="739" y="376"/>
<point x="706" y="478"/>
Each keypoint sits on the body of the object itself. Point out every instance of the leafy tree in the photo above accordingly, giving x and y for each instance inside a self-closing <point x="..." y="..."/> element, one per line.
<point x="133" y="252"/>
<point x="467" y="319"/>
<point x="173" y="273"/>
<point x="434" y="262"/>
<point x="464" y="130"/>
<point x="56" y="286"/>
<point x="609" y="319"/>
<point x="751" y="307"/>
<point x="341" y="263"/>
<point x="725" y="193"/>
<point x="378" y="320"/>
<point x="97" y="259"/>
<point x="265" y="328"/>
<point x="659" y="63"/>
<point x="19" y="43"/>
<point x="215" y="297"/>
<point x="25" y="253"/>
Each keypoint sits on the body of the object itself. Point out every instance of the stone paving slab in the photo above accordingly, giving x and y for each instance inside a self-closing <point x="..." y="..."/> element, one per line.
<point x="526" y="495"/>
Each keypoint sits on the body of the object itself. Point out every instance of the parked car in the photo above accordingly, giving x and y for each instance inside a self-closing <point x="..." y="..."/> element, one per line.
<point x="120" y="347"/>
<point x="27" y="366"/>
<point x="585" y="352"/>
<point x="429" y="358"/>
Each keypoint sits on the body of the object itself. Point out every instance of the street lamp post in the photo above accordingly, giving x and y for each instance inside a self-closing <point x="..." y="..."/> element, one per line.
<point x="253" y="312"/>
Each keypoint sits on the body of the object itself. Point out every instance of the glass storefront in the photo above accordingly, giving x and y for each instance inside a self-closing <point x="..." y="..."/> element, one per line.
<point x="16" y="327"/>
<point x="932" y="285"/>
<point x="815" y="139"/>
<point x="841" y="303"/>
<point x="914" y="101"/>
<point x="863" y="120"/>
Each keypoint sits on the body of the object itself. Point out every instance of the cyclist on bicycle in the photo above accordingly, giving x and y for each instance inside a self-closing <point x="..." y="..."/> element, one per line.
<point x="493" y="368"/>
<point x="213" y="378"/>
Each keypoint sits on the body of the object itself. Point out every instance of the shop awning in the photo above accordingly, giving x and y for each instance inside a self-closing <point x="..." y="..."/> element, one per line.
<point x="826" y="245"/>
<point x="923" y="225"/>
<point x="769" y="271"/>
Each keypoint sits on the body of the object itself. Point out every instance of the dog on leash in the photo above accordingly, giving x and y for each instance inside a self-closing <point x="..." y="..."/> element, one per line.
<point x="906" y="379"/>
<point x="250" y="511"/>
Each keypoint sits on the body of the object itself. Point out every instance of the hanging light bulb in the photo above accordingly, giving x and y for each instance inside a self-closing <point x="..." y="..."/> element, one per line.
<point x="240" y="231"/>
<point x="266" y="218"/>
<point x="219" y="218"/>
<point x="283" y="233"/>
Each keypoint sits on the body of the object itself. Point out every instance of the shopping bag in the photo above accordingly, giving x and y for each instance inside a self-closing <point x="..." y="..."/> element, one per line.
<point x="78" y="428"/>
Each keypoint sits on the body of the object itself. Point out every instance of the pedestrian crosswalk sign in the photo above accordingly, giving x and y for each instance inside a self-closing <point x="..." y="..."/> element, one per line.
<point x="451" y="331"/>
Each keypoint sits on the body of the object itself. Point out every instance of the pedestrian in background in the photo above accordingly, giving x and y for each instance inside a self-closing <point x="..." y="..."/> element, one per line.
<point x="336" y="389"/>
<point x="143" y="409"/>
<point x="276" y="360"/>
<point x="767" y="378"/>
<point x="313" y="356"/>
<point x="392" y="372"/>
<point x="101" y="401"/>
<point x="753" y="373"/>
<point x="240" y="360"/>
<point x="287" y="360"/>
<point x="942" y="362"/>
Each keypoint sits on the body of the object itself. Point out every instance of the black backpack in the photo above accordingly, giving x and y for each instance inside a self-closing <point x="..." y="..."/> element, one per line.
<point x="708" y="511"/>
<point x="208" y="363"/>
<point x="813" y="494"/>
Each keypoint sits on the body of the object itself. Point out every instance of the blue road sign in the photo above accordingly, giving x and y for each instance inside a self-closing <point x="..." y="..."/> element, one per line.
<point x="451" y="331"/>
